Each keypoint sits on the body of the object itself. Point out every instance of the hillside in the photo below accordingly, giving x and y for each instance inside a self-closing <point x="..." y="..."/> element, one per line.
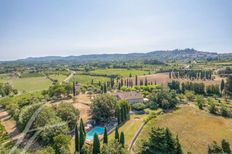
<point x="185" y="54"/>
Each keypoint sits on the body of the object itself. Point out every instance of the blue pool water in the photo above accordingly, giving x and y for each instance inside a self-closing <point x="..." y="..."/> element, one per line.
<point x="98" y="130"/>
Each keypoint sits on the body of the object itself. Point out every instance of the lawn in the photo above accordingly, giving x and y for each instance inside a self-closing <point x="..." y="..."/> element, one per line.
<point x="87" y="79"/>
<point x="196" y="129"/>
<point x="129" y="128"/>
<point x="30" y="84"/>
<point x="121" y="72"/>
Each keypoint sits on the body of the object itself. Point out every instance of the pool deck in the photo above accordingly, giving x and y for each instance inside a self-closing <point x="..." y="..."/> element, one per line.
<point x="100" y="136"/>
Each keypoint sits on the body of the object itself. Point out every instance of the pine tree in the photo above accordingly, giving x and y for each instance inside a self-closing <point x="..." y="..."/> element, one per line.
<point x="116" y="137"/>
<point x="96" y="144"/>
<point x="226" y="147"/>
<point x="77" y="142"/>
<point x="122" y="139"/>
<point x="105" y="137"/>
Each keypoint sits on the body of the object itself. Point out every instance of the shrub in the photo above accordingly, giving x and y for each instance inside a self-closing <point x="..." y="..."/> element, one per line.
<point x="139" y="106"/>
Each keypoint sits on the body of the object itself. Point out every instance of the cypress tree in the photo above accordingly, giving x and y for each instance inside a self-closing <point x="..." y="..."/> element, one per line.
<point x="119" y="117"/>
<point x="82" y="126"/>
<point x="77" y="142"/>
<point x="169" y="139"/>
<point x="136" y="80"/>
<point x="119" y="86"/>
<point x="122" y="114"/>
<point x="74" y="89"/>
<point x="178" y="146"/>
<point x="121" y="82"/>
<point x="228" y="86"/>
<point x="116" y="137"/>
<point x="122" y="139"/>
<point x="222" y="85"/>
<point x="226" y="147"/>
<point x="104" y="88"/>
<point x="105" y="137"/>
<point x="118" y="114"/>
<point x="96" y="144"/>
<point x="82" y="135"/>
<point x="145" y="81"/>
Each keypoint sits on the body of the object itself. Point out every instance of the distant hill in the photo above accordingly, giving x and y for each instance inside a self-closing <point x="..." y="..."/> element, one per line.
<point x="184" y="54"/>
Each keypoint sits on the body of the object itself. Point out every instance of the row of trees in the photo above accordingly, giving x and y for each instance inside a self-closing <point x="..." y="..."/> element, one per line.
<point x="122" y="111"/>
<point x="119" y="142"/>
<point x="119" y="84"/>
<point x="198" y="88"/>
<point x="191" y="74"/>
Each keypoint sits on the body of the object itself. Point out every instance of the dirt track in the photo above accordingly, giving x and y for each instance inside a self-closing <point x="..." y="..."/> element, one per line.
<point x="9" y="124"/>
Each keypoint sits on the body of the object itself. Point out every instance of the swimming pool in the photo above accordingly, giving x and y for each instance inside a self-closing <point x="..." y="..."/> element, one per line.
<point x="99" y="130"/>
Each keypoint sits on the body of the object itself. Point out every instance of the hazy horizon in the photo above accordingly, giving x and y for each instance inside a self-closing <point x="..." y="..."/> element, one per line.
<point x="64" y="28"/>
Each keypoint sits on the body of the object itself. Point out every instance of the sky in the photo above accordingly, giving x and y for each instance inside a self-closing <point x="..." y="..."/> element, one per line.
<point x="34" y="28"/>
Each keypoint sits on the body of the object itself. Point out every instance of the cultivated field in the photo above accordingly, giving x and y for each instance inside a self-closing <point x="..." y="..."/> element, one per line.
<point x="30" y="84"/>
<point x="196" y="129"/>
<point x="59" y="77"/>
<point x="163" y="79"/>
<point x="87" y="79"/>
<point x="121" y="72"/>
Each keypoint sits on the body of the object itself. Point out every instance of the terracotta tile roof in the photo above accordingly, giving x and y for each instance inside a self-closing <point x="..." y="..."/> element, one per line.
<point x="128" y="95"/>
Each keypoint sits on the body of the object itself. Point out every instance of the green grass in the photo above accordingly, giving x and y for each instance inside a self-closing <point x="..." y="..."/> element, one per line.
<point x="3" y="134"/>
<point x="59" y="77"/>
<point x="121" y="72"/>
<point x="3" y="78"/>
<point x="30" y="84"/>
<point x="29" y="75"/>
<point x="87" y="79"/>
<point x="195" y="128"/>
<point x="129" y="128"/>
